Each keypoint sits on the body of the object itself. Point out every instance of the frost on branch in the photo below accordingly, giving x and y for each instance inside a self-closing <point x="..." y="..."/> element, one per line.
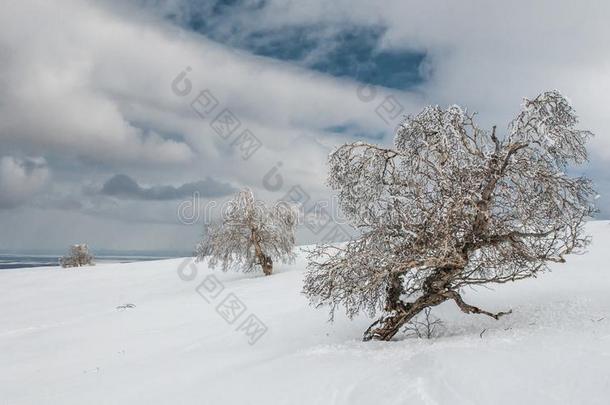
<point x="452" y="205"/>
<point x="78" y="256"/>
<point x="250" y="235"/>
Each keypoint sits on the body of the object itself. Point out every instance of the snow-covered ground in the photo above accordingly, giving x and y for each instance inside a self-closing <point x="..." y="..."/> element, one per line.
<point x="64" y="341"/>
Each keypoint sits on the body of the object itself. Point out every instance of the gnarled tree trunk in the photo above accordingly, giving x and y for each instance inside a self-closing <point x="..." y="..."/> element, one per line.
<point x="398" y="313"/>
<point x="265" y="261"/>
<point x="436" y="290"/>
<point x="387" y="326"/>
<point x="267" y="264"/>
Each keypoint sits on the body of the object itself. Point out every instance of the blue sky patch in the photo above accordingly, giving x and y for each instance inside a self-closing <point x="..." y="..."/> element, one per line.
<point x="345" y="51"/>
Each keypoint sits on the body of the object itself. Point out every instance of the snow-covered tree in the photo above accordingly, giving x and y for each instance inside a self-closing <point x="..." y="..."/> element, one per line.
<point x="250" y="235"/>
<point x="78" y="256"/>
<point x="452" y="205"/>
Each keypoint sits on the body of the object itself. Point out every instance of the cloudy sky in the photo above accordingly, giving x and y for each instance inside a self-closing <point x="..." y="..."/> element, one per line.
<point x="114" y="113"/>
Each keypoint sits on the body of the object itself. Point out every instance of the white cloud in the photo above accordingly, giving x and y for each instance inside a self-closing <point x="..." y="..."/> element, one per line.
<point x="90" y="81"/>
<point x="77" y="82"/>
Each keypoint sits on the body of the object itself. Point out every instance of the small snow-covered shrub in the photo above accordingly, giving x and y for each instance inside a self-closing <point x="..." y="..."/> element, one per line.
<point x="425" y="326"/>
<point x="79" y="255"/>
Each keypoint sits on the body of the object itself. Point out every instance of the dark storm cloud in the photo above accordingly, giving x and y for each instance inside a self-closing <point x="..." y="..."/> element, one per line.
<point x="123" y="186"/>
<point x="20" y="179"/>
